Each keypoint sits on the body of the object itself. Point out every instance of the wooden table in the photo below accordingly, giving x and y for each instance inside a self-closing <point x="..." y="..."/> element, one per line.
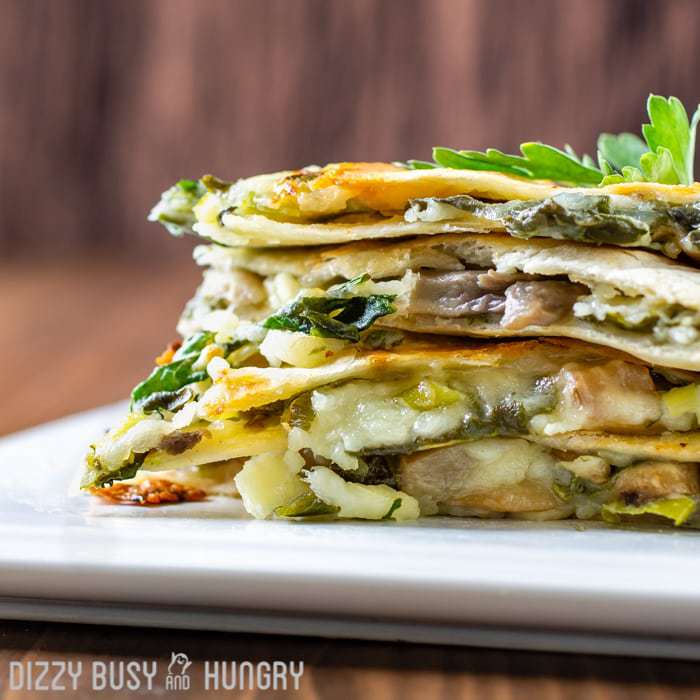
<point x="82" y="333"/>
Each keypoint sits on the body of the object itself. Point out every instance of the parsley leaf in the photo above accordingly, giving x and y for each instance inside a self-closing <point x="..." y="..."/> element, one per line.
<point x="618" y="151"/>
<point x="538" y="161"/>
<point x="670" y="135"/>
<point x="665" y="155"/>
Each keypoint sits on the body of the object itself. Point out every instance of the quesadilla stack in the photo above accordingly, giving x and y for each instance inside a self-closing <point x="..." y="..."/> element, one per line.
<point x="486" y="335"/>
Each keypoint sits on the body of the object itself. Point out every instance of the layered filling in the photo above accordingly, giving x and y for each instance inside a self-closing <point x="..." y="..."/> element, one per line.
<point x="357" y="425"/>
<point x="518" y="478"/>
<point x="463" y="443"/>
<point x="316" y="195"/>
<point x="578" y="216"/>
<point x="452" y="291"/>
<point x="490" y="478"/>
<point x="404" y="415"/>
<point x="517" y="302"/>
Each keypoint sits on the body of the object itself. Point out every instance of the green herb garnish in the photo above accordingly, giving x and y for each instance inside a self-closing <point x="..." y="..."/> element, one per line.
<point x="665" y="155"/>
<point x="538" y="162"/>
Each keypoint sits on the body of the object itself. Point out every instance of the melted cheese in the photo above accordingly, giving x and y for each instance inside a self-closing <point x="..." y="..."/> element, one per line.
<point x="266" y="482"/>
<point x="374" y="502"/>
<point x="361" y="416"/>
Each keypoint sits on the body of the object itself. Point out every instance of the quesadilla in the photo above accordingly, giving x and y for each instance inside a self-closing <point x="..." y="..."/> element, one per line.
<point x="344" y="356"/>
<point x="469" y="284"/>
<point x="537" y="429"/>
<point x="345" y="202"/>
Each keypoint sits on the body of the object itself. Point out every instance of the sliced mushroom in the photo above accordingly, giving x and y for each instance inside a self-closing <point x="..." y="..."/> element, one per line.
<point x="540" y="303"/>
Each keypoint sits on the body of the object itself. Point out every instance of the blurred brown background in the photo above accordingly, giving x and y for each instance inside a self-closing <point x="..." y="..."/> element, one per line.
<point x="104" y="103"/>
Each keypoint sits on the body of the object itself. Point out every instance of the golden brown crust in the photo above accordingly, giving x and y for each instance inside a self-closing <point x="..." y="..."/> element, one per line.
<point x="383" y="186"/>
<point x="676" y="447"/>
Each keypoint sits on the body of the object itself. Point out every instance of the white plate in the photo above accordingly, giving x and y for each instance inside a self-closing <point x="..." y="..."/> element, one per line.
<point x="65" y="556"/>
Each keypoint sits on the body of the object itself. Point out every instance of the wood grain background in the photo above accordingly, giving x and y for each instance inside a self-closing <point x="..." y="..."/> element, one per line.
<point x="103" y="103"/>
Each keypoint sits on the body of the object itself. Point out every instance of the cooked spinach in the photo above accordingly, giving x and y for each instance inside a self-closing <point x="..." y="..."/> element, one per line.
<point x="372" y="470"/>
<point x="332" y="317"/>
<point x="214" y="184"/>
<point x="382" y="339"/>
<point x="166" y="400"/>
<point x="582" y="217"/>
<point x="168" y="379"/>
<point x="96" y="477"/>
<point x="259" y="416"/>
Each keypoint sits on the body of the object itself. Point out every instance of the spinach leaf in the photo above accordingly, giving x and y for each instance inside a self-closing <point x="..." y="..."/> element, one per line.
<point x="169" y="379"/>
<point x="194" y="343"/>
<point x="167" y="400"/>
<point x="97" y="477"/>
<point x="330" y="317"/>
